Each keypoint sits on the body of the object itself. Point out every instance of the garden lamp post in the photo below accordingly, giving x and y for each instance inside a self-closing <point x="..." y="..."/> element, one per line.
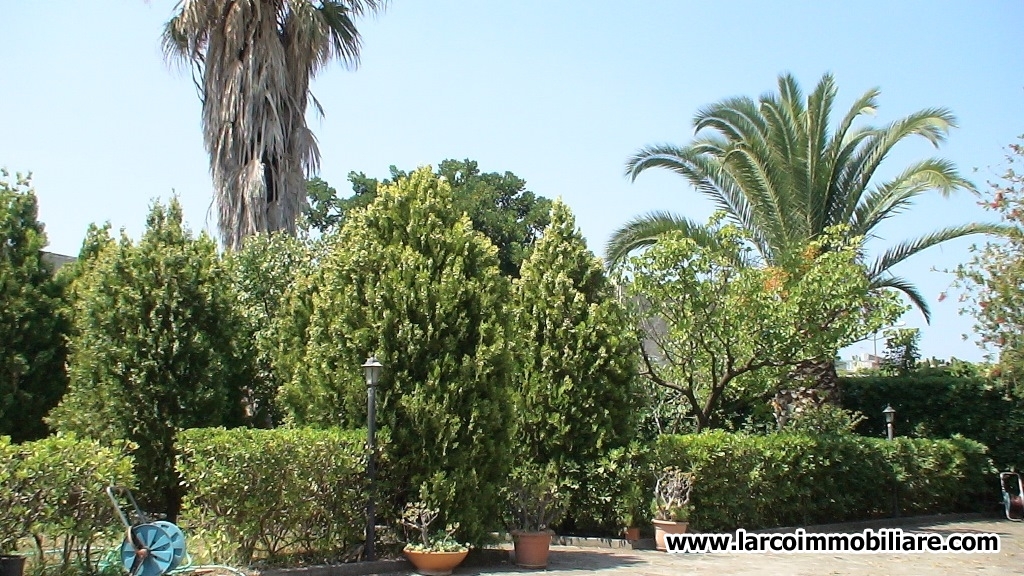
<point x="890" y="417"/>
<point x="372" y="369"/>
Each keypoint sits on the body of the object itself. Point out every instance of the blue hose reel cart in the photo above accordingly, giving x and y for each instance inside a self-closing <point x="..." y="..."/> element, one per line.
<point x="151" y="547"/>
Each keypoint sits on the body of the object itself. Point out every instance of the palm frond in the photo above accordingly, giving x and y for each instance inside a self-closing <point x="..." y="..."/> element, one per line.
<point x="911" y="291"/>
<point x="895" y="196"/>
<point x="932" y="124"/>
<point x="644" y="231"/>
<point x="908" y="248"/>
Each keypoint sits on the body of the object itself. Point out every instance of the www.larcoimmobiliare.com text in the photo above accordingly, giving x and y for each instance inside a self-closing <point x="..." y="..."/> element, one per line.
<point x="885" y="540"/>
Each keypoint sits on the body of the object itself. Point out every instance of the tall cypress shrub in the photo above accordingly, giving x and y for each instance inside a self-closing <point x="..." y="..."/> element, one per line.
<point x="574" y="394"/>
<point x="152" y="349"/>
<point x="408" y="280"/>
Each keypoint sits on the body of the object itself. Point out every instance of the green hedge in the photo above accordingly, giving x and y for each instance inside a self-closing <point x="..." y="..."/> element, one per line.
<point x="790" y="479"/>
<point x="261" y="493"/>
<point x="941" y="406"/>
<point x="55" y="489"/>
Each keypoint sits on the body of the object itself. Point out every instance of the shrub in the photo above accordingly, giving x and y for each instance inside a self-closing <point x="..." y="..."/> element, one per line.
<point x="153" y="348"/>
<point x="60" y="483"/>
<point x="942" y="406"/>
<point x="789" y="479"/>
<point x="411" y="282"/>
<point x="575" y="392"/>
<point x="32" y="327"/>
<point x="266" y="492"/>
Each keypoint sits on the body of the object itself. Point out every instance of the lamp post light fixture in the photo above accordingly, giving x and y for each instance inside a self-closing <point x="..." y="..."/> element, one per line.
<point x="890" y="417"/>
<point x="372" y="370"/>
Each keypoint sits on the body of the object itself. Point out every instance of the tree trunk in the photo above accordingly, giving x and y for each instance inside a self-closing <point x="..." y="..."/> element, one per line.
<point x="814" y="384"/>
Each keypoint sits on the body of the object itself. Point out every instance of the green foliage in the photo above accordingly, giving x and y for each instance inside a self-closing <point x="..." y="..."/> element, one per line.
<point x="54" y="489"/>
<point x="708" y="321"/>
<point x="902" y="351"/>
<point x="499" y="205"/>
<point x="257" y="493"/>
<point x="153" y="348"/>
<point x="324" y="210"/>
<point x="410" y="282"/>
<point x="823" y="420"/>
<point x="262" y="272"/>
<point x="574" y="392"/>
<point x="941" y="406"/>
<point x="993" y="281"/>
<point x="18" y="510"/>
<point x="32" y="326"/>
<point x="617" y="491"/>
<point x="792" y="479"/>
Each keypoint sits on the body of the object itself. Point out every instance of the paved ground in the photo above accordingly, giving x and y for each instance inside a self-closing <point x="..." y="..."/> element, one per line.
<point x="574" y="561"/>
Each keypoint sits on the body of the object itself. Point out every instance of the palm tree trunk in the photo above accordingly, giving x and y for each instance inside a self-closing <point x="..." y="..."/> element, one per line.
<point x="815" y="384"/>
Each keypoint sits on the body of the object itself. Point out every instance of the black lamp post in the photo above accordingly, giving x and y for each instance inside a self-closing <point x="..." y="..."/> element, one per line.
<point x="890" y="417"/>
<point x="372" y="369"/>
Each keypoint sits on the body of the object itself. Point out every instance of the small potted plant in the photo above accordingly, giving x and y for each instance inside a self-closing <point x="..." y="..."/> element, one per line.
<point x="535" y="503"/>
<point x="671" y="506"/>
<point x="630" y="511"/>
<point x="432" y="553"/>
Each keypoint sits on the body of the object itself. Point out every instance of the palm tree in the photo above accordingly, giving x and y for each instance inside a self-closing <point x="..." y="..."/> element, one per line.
<point x="774" y="169"/>
<point x="254" y="60"/>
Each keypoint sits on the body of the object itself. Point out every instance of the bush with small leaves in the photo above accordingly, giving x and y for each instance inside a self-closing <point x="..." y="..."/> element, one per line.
<point x="793" y="479"/>
<point x="258" y="493"/>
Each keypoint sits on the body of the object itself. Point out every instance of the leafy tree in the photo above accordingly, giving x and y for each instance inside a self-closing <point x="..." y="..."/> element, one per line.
<point x="574" y="391"/>
<point x="323" y="211"/>
<point x="498" y="205"/>
<point x="777" y="172"/>
<point x="993" y="280"/>
<point x="254" y="60"/>
<point x="408" y="280"/>
<point x="709" y="322"/>
<point x="262" y="272"/>
<point x="902" y="351"/>
<point x="153" y="348"/>
<point x="32" y="327"/>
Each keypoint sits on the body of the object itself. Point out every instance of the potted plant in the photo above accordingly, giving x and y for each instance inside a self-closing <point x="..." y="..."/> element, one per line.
<point x="535" y="503"/>
<point x="630" y="511"/>
<point x="432" y="553"/>
<point x="671" y="506"/>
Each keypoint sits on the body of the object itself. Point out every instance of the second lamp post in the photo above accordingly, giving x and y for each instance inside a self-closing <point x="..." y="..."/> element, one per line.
<point x="372" y="369"/>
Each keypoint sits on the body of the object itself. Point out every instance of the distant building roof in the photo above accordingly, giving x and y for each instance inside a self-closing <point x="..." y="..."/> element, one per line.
<point x="57" y="260"/>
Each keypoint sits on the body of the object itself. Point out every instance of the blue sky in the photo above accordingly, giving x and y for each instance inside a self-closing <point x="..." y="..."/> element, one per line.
<point x="560" y="93"/>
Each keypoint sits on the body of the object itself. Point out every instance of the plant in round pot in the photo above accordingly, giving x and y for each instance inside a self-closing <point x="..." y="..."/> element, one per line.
<point x="432" y="553"/>
<point x="630" y="511"/>
<point x="535" y="503"/>
<point x="671" y="506"/>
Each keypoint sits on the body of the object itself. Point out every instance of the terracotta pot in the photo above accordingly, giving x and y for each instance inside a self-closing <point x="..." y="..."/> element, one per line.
<point x="662" y="527"/>
<point x="532" y="548"/>
<point x="12" y="565"/>
<point x="435" y="563"/>
<point x="632" y="534"/>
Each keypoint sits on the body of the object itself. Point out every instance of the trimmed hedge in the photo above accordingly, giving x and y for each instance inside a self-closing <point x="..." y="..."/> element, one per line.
<point x="789" y="479"/>
<point x="261" y="493"/>
<point x="941" y="406"/>
<point x="57" y="488"/>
